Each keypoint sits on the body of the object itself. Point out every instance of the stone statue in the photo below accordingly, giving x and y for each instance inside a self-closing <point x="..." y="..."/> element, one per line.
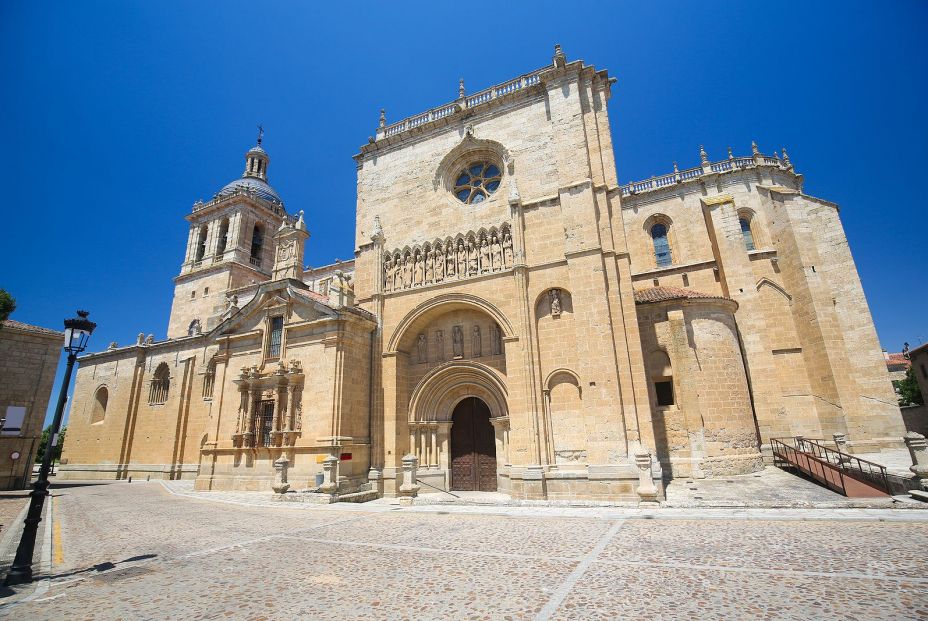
<point x="439" y="257"/>
<point x="440" y="343"/>
<point x="423" y="345"/>
<point x="387" y="268"/>
<point x="417" y="270"/>
<point x="473" y="259"/>
<point x="495" y="340"/>
<point x="457" y="342"/>
<point x="555" y="302"/>
<point x="395" y="274"/>
<point x="150" y="339"/>
<point x="407" y="272"/>
<point x="484" y="256"/>
<point x="475" y="343"/>
<point x="450" y="258"/>
<point x="429" y="266"/>
<point x="507" y="249"/>
<point x="462" y="259"/>
<point x="140" y="339"/>
<point x="497" y="254"/>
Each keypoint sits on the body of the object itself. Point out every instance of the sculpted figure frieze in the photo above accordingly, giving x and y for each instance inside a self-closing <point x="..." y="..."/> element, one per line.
<point x="465" y="255"/>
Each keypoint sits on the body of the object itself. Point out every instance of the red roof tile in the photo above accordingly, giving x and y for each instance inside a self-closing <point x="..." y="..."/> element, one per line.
<point x="25" y="327"/>
<point x="662" y="294"/>
<point x="897" y="360"/>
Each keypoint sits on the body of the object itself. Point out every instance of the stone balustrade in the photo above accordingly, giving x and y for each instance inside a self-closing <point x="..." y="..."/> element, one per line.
<point x="463" y="103"/>
<point x="707" y="168"/>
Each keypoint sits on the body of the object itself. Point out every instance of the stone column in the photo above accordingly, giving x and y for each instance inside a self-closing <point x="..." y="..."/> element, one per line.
<point x="918" y="449"/>
<point x="280" y="485"/>
<point x="329" y="475"/>
<point x="410" y="488"/>
<point x="647" y="493"/>
<point x="433" y="432"/>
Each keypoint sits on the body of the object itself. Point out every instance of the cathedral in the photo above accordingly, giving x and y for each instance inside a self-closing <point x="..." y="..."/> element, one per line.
<point x="513" y="317"/>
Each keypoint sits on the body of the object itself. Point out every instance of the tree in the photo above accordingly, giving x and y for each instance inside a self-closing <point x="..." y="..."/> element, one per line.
<point x="44" y="442"/>
<point x="7" y="304"/>
<point x="909" y="393"/>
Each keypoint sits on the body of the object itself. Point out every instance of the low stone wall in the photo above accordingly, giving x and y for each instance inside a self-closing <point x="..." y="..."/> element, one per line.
<point x="915" y="418"/>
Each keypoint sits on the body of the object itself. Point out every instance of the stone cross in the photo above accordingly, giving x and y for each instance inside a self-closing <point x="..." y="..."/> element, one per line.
<point x="410" y="487"/>
<point x="647" y="493"/>
<point x="280" y="485"/>
<point x="918" y="450"/>
<point x="329" y="475"/>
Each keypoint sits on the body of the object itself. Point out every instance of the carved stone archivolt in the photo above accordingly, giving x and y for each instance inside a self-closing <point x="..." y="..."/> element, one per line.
<point x="282" y="387"/>
<point x="466" y="255"/>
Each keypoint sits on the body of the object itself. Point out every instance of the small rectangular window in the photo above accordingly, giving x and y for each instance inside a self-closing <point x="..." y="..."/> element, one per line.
<point x="664" y="392"/>
<point x="277" y="328"/>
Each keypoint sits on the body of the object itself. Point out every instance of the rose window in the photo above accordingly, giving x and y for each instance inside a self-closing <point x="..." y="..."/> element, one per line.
<point x="475" y="183"/>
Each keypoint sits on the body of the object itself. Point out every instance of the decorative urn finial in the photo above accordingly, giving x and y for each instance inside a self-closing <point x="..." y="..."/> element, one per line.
<point x="754" y="149"/>
<point x="730" y="155"/>
<point x="461" y="88"/>
<point x="703" y="156"/>
<point x="560" y="59"/>
<point x="786" y="159"/>
<point x="675" y="169"/>
<point x="383" y="117"/>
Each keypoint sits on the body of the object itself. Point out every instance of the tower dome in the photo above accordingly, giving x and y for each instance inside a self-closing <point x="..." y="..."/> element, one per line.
<point x="254" y="179"/>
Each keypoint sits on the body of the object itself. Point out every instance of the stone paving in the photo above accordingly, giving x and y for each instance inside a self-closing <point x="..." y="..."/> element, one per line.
<point x="152" y="551"/>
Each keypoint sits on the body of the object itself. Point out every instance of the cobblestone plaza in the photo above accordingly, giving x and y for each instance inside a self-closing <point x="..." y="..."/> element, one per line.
<point x="145" y="551"/>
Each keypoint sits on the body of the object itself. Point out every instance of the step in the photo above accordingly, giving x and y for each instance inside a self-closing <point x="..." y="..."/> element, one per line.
<point x="919" y="495"/>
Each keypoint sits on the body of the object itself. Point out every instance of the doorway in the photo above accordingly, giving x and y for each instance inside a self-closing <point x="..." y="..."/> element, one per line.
<point x="473" y="447"/>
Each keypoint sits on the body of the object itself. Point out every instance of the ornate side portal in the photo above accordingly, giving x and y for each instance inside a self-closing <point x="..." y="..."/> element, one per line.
<point x="473" y="447"/>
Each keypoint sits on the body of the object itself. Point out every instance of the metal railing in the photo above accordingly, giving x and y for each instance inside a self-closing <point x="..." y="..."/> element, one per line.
<point x="835" y="464"/>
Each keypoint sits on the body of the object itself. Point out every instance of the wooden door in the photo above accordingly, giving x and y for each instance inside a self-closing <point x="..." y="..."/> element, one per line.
<point x="473" y="447"/>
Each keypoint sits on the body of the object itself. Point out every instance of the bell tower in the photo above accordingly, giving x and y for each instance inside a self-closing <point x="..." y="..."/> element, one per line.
<point x="231" y="244"/>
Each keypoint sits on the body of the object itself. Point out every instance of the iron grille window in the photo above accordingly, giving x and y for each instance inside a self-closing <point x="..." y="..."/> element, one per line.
<point x="661" y="245"/>
<point x="746" y="232"/>
<point x="264" y="420"/>
<point x="277" y="328"/>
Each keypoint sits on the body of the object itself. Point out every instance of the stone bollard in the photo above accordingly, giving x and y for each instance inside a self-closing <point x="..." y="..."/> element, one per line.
<point x="918" y="449"/>
<point x="280" y="485"/>
<point x="647" y="493"/>
<point x="841" y="444"/>
<point x="410" y="488"/>
<point x="329" y="475"/>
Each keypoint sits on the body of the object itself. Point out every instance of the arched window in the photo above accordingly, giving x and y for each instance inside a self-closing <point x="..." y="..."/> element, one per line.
<point x="746" y="233"/>
<point x="257" y="242"/>
<point x="662" y="254"/>
<point x="160" y="385"/>
<point x="201" y="244"/>
<point x="662" y="378"/>
<point x="99" y="405"/>
<point x="208" y="379"/>
<point x="223" y="237"/>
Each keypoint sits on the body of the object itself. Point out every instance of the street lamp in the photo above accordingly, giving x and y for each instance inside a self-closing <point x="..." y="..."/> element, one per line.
<point x="77" y="332"/>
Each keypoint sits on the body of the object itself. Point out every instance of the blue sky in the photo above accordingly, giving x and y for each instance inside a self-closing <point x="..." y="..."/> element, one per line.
<point x="117" y="116"/>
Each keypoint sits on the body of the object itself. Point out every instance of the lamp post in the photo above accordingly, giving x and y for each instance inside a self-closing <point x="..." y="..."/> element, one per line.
<point x="77" y="332"/>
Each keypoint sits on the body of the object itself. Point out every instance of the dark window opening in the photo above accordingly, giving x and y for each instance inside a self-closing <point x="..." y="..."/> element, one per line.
<point x="264" y="420"/>
<point x="664" y="390"/>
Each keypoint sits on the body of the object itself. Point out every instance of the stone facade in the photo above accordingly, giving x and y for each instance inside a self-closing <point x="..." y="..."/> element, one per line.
<point x="29" y="358"/>
<point x="513" y="319"/>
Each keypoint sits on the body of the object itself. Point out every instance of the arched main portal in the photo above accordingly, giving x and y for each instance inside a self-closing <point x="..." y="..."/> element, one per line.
<point x="473" y="447"/>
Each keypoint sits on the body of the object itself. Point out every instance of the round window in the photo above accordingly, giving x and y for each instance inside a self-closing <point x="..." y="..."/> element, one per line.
<point x="476" y="182"/>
